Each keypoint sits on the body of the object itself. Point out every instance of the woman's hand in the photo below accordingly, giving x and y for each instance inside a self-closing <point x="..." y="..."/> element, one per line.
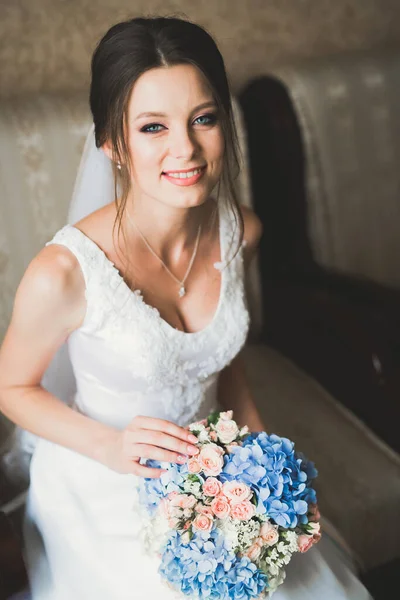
<point x="148" y="438"/>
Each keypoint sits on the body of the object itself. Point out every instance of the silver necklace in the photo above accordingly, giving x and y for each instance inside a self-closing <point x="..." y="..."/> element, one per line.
<point x="182" y="289"/>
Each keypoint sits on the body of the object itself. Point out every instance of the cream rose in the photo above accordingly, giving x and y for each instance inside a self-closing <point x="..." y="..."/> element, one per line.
<point x="314" y="528"/>
<point x="211" y="459"/>
<point x="236" y="491"/>
<point x="227" y="430"/>
<point x="226" y="416"/>
<point x="220" y="507"/>
<point x="211" y="487"/>
<point x="243" y="511"/>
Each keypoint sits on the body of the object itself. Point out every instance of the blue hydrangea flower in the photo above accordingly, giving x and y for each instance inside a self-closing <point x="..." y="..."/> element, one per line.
<point x="152" y="490"/>
<point x="207" y="568"/>
<point x="280" y="478"/>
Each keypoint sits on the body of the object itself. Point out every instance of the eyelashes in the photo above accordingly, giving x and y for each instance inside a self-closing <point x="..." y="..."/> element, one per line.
<point x="150" y="128"/>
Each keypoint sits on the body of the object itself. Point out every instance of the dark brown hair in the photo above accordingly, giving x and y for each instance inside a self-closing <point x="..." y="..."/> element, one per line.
<point x="128" y="50"/>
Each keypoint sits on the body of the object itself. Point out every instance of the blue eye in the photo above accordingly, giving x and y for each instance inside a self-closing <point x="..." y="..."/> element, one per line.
<point x="211" y="119"/>
<point x="148" y="128"/>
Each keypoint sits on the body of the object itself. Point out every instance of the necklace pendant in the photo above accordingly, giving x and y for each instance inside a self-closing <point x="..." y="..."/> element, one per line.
<point x="182" y="291"/>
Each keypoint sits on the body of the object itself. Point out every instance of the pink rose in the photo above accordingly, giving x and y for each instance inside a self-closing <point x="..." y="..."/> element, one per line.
<point x="202" y="523"/>
<point x="227" y="430"/>
<point x="220" y="507"/>
<point x="243" y="511"/>
<point x="183" y="501"/>
<point x="173" y="522"/>
<point x="226" y="416"/>
<point x="213" y="436"/>
<point x="211" y="487"/>
<point x="204" y="510"/>
<point x="236" y="491"/>
<point x="253" y="552"/>
<point x="313" y="513"/>
<point x="304" y="542"/>
<point x="194" y="465"/>
<point x="211" y="459"/>
<point x="269" y="534"/>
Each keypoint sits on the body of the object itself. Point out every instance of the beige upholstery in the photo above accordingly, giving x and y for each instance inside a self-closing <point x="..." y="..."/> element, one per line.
<point x="348" y="108"/>
<point x="359" y="477"/>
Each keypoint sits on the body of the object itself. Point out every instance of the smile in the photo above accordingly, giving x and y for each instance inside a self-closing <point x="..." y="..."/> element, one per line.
<point x="185" y="178"/>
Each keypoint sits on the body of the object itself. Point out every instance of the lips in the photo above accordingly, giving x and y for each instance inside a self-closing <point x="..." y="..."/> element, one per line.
<point x="184" y="170"/>
<point x="184" y="178"/>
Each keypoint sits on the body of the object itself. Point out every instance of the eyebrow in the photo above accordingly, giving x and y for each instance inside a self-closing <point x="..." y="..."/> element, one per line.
<point x="160" y="114"/>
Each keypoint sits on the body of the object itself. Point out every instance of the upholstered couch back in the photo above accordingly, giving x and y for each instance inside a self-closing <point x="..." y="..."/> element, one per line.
<point x="347" y="108"/>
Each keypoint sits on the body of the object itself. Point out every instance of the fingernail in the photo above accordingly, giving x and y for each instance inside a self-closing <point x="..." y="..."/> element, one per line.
<point x="193" y="449"/>
<point x="182" y="458"/>
<point x="193" y="438"/>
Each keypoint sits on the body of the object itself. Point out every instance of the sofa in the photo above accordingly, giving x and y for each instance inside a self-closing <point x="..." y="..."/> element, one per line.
<point x="41" y="140"/>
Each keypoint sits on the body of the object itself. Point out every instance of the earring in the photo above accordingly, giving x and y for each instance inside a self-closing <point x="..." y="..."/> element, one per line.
<point x="119" y="166"/>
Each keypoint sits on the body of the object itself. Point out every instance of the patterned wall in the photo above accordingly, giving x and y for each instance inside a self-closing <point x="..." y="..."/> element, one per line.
<point x="47" y="44"/>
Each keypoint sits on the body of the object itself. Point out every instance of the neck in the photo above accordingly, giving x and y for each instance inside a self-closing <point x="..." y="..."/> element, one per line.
<point x="170" y="231"/>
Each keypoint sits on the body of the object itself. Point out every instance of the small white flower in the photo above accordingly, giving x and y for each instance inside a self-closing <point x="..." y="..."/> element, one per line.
<point x="192" y="487"/>
<point x="203" y="436"/>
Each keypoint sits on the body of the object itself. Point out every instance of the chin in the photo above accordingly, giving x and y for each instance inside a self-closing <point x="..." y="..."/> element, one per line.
<point x="191" y="200"/>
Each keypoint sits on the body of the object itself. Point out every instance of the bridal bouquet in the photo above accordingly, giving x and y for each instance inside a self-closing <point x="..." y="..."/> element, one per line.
<point x="226" y="523"/>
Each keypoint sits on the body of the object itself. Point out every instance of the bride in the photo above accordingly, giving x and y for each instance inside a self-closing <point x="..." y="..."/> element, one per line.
<point x="144" y="289"/>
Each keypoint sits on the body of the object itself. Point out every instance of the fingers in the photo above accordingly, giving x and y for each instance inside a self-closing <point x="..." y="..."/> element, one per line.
<point x="163" y="425"/>
<point x="142" y="471"/>
<point x="156" y="453"/>
<point x="162" y="440"/>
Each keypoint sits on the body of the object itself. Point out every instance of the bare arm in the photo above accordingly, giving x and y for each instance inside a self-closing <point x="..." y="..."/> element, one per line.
<point x="50" y="304"/>
<point x="233" y="388"/>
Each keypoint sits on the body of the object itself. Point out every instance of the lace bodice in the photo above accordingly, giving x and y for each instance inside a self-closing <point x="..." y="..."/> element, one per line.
<point x="128" y="360"/>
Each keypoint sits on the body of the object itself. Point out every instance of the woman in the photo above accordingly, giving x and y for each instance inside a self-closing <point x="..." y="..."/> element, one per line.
<point x="148" y="291"/>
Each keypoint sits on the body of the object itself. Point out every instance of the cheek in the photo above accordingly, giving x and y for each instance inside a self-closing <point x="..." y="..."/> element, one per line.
<point x="146" y="153"/>
<point x="216" y="145"/>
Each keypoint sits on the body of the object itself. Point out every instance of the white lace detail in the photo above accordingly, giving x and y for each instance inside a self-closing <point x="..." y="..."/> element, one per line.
<point x="156" y="357"/>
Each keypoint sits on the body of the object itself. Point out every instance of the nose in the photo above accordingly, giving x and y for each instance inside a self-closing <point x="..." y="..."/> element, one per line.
<point x="182" y="143"/>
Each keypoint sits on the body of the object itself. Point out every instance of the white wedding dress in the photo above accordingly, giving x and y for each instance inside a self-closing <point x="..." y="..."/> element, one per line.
<point x="82" y="526"/>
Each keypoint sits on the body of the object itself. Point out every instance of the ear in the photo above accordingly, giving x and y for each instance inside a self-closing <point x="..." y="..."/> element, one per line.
<point x="107" y="149"/>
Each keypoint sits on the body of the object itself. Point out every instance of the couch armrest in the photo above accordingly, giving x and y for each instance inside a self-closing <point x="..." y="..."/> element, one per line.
<point x="345" y="335"/>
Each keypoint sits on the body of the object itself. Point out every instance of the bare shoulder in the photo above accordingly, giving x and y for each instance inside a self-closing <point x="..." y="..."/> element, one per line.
<point x="53" y="284"/>
<point x="253" y="230"/>
<point x="49" y="305"/>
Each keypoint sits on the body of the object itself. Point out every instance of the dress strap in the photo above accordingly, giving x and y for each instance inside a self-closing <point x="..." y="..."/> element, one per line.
<point x="72" y="238"/>
<point x="90" y="260"/>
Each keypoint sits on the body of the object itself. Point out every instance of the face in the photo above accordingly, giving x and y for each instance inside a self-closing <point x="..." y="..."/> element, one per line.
<point x="174" y="136"/>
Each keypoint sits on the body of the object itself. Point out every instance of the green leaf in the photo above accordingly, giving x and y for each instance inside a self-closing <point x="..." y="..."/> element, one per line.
<point x="193" y="478"/>
<point x="213" y="418"/>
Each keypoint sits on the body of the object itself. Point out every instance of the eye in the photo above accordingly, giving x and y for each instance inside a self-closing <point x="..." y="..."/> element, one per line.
<point x="150" y="128"/>
<point x="210" y="119"/>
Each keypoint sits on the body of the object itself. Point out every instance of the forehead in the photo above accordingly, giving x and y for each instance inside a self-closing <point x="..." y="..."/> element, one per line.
<point x="168" y="89"/>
